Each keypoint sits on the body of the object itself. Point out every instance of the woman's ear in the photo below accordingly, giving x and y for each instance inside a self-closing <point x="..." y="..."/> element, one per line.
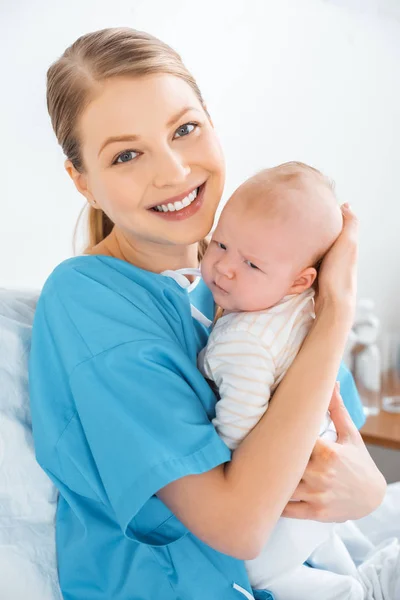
<point x="303" y="281"/>
<point x="80" y="181"/>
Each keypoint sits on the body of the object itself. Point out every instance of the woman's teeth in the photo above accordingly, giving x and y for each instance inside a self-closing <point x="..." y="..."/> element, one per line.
<point x="176" y="206"/>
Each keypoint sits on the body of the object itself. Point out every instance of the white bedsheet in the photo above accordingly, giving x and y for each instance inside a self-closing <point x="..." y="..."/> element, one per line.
<point x="374" y="544"/>
<point x="28" y="498"/>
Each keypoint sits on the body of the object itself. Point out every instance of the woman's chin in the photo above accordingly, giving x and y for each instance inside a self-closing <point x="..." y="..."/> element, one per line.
<point x="195" y="232"/>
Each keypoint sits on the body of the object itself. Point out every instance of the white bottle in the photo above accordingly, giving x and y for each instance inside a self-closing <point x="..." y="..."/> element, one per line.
<point x="367" y="363"/>
<point x="348" y="356"/>
<point x="368" y="368"/>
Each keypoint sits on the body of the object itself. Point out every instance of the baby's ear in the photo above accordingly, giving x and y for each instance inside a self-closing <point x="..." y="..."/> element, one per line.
<point x="303" y="281"/>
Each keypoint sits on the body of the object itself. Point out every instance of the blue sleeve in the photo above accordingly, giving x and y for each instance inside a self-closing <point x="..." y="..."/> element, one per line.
<point x="143" y="424"/>
<point x="350" y="396"/>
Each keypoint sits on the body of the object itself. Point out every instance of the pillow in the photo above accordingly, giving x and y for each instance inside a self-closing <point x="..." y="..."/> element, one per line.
<point x="27" y="497"/>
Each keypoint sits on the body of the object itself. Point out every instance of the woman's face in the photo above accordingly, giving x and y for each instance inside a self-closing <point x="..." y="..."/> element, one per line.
<point x="152" y="159"/>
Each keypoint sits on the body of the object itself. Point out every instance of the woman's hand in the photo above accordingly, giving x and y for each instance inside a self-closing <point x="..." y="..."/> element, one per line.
<point x="337" y="278"/>
<point x="341" y="480"/>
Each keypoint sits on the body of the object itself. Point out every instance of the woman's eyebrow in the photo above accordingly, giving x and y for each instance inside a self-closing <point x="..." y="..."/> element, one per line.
<point x="180" y="114"/>
<point x="135" y="138"/>
<point x="118" y="138"/>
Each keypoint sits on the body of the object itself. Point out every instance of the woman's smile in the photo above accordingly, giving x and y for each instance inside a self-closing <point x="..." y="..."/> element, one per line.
<point x="181" y="207"/>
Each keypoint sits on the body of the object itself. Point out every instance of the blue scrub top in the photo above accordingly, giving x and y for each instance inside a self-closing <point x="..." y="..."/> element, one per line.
<point x="119" y="410"/>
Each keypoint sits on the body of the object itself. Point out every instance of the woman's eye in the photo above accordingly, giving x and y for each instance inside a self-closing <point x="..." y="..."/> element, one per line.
<point x="126" y="156"/>
<point x="252" y="265"/>
<point x="185" y="129"/>
<point x="221" y="246"/>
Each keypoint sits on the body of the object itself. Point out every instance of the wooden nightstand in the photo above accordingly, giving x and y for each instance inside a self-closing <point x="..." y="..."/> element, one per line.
<point x="383" y="429"/>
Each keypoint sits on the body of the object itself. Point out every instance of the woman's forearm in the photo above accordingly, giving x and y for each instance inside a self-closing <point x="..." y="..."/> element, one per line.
<point x="234" y="507"/>
<point x="270" y="462"/>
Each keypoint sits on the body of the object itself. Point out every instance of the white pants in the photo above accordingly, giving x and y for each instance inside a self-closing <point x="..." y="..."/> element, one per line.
<point x="292" y="541"/>
<point x="290" y="544"/>
<point x="315" y="584"/>
<point x="360" y="560"/>
<point x="334" y="576"/>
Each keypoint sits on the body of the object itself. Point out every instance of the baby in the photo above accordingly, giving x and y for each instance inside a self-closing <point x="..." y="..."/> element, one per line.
<point x="261" y="266"/>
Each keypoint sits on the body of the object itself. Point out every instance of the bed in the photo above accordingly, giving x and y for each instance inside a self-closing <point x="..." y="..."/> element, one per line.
<point x="28" y="499"/>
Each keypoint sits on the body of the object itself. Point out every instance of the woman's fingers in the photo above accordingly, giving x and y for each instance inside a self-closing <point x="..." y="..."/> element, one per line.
<point x="341" y="481"/>
<point x="350" y="226"/>
<point x="337" y="279"/>
<point x="344" y="425"/>
<point x="297" y="510"/>
<point x="301" y="510"/>
<point x="302" y="493"/>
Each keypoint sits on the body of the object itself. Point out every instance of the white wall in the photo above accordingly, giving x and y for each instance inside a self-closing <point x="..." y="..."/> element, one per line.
<point x="309" y="80"/>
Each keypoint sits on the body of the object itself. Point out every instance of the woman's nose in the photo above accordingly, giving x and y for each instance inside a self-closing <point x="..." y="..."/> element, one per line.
<point x="170" y="169"/>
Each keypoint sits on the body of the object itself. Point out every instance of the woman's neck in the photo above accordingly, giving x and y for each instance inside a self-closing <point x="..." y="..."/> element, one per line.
<point x="148" y="256"/>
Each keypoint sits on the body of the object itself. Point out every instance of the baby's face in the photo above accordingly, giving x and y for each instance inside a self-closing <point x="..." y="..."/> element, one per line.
<point x="249" y="264"/>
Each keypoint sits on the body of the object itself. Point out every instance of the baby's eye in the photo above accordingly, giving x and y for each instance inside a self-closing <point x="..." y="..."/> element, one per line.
<point x="221" y="246"/>
<point x="126" y="156"/>
<point x="252" y="265"/>
<point x="185" y="129"/>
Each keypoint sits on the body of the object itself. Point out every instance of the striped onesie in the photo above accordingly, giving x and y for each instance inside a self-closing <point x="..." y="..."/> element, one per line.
<point x="247" y="356"/>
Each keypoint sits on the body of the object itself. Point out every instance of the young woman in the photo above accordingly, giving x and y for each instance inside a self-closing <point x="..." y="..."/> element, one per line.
<point x="152" y="503"/>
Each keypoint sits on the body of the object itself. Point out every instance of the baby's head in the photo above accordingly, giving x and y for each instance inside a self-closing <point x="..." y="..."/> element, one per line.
<point x="271" y="235"/>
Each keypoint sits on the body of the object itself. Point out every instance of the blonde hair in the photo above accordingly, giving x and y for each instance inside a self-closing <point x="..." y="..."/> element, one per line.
<point x="72" y="81"/>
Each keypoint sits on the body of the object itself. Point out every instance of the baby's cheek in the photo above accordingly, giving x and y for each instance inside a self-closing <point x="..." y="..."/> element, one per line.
<point x="257" y="297"/>
<point x="243" y="297"/>
<point x="205" y="268"/>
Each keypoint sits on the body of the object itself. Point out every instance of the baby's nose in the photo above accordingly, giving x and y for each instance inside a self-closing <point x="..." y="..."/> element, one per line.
<point x="226" y="269"/>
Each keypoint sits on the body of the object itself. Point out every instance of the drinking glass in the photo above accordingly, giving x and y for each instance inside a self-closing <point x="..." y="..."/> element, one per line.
<point x="391" y="372"/>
